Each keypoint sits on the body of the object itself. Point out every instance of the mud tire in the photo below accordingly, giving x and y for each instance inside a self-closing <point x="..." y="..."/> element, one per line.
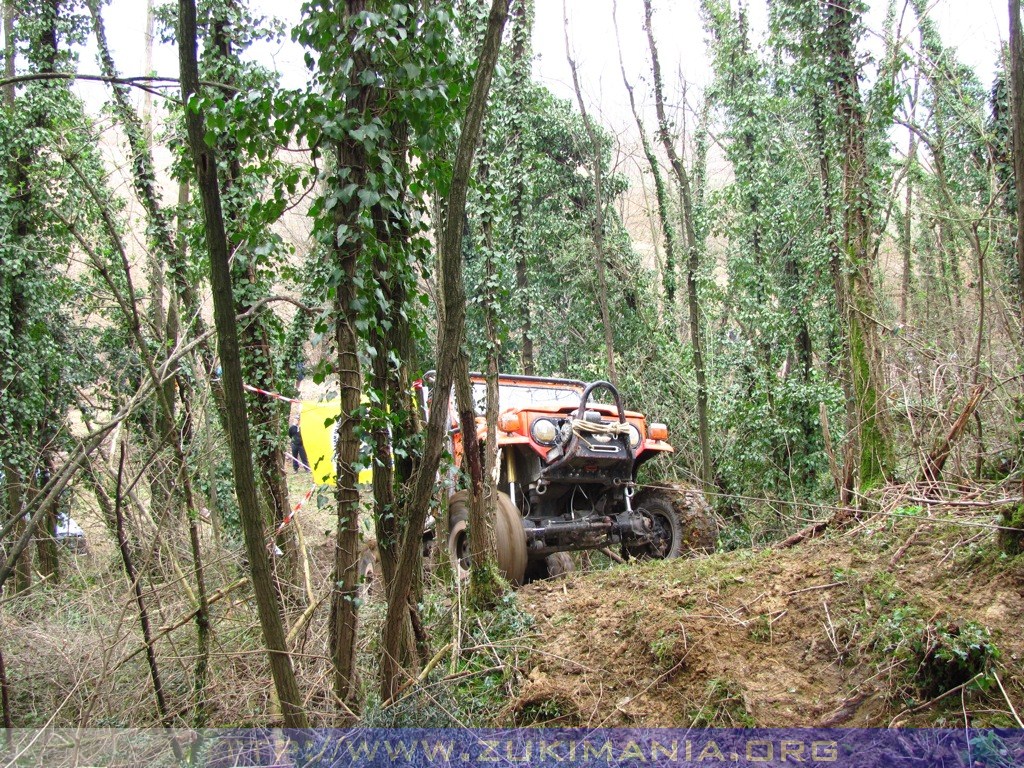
<point x="508" y="534"/>
<point x="687" y="524"/>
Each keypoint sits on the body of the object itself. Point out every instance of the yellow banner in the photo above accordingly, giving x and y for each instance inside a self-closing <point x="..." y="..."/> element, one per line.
<point x="318" y="427"/>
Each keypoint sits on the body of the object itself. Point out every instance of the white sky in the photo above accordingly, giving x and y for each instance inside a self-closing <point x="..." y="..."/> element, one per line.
<point x="973" y="27"/>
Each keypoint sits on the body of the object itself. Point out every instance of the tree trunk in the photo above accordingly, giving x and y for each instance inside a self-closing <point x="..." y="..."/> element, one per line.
<point x="522" y="30"/>
<point x="15" y="486"/>
<point x="393" y="359"/>
<point x="1017" y="116"/>
<point x="449" y="342"/>
<point x="693" y="248"/>
<point x="873" y="454"/>
<point x="346" y="449"/>
<point x="907" y="233"/>
<point x="597" y="229"/>
<point x="9" y="53"/>
<point x="205" y="161"/>
<point x="257" y="356"/>
<point x="668" y="278"/>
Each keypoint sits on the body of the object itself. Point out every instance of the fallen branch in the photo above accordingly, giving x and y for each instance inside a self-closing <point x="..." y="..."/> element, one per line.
<point x="306" y="615"/>
<point x="906" y="544"/>
<point x="932" y="469"/>
<point x="976" y="504"/>
<point x="810" y="532"/>
<point x="611" y="555"/>
<point x="426" y="670"/>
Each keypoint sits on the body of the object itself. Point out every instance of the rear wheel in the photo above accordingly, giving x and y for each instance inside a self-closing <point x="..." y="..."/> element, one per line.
<point x="508" y="534"/>
<point x="681" y="522"/>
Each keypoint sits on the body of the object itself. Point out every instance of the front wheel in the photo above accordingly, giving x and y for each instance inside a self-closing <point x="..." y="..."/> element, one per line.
<point x="508" y="534"/>
<point x="681" y="522"/>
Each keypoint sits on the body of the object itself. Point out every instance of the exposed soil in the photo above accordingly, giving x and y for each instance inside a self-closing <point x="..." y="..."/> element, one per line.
<point x="821" y="634"/>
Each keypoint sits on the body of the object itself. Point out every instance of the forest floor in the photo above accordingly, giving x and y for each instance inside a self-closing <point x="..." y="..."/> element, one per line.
<point x="869" y="626"/>
<point x="908" y="616"/>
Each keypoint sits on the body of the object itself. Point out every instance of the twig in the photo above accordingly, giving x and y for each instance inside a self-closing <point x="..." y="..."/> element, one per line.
<point x="936" y="700"/>
<point x="830" y="630"/>
<point x="218" y="595"/>
<point x="906" y="544"/>
<point x="956" y="503"/>
<point x="1008" y="702"/>
<point x="816" y="586"/>
<point x="426" y="670"/>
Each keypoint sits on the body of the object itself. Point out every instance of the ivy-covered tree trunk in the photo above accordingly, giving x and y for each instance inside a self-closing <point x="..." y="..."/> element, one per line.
<point x="485" y="587"/>
<point x="396" y="426"/>
<point x="693" y="251"/>
<point x="250" y="287"/>
<point x="873" y="453"/>
<point x="665" y="218"/>
<point x="597" y="226"/>
<point x="449" y="343"/>
<point x="205" y="161"/>
<point x="1017" y="118"/>
<point x="522" y="15"/>
<point x="353" y="168"/>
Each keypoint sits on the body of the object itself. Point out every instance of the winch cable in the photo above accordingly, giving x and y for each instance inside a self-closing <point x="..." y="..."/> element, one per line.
<point x="580" y="426"/>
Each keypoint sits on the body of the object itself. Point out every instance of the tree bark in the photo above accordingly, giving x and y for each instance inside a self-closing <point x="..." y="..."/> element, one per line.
<point x="873" y="454"/>
<point x="693" y="248"/>
<point x="205" y="161"/>
<point x="1017" y="116"/>
<point x="522" y="30"/>
<point x="449" y="342"/>
<point x="597" y="229"/>
<point x="393" y="359"/>
<point x="668" y="278"/>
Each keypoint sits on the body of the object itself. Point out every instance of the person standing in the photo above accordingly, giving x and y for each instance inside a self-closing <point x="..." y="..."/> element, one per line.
<point x="298" y="450"/>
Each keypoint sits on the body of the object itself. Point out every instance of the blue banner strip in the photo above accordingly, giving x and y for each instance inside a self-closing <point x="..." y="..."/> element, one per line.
<point x="537" y="748"/>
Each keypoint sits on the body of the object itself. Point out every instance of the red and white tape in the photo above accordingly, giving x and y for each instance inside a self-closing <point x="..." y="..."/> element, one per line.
<point x="295" y="510"/>
<point x="274" y="395"/>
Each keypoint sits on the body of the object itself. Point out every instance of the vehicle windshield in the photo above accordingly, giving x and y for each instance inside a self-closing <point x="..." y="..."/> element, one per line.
<point x="523" y="395"/>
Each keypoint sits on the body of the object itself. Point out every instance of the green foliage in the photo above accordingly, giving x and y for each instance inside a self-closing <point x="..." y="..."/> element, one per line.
<point x="45" y="140"/>
<point x="933" y="656"/>
<point x="479" y="681"/>
<point x="723" y="707"/>
<point x="1011" y="534"/>
<point x="778" y="311"/>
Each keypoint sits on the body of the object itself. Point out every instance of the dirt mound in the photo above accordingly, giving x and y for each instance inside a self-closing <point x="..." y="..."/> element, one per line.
<point x="860" y="629"/>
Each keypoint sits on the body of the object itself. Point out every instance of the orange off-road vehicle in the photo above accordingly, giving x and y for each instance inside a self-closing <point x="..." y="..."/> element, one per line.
<point x="569" y="455"/>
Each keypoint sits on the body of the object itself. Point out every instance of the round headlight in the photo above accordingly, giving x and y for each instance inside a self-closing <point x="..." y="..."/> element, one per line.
<point x="544" y="431"/>
<point x="634" y="436"/>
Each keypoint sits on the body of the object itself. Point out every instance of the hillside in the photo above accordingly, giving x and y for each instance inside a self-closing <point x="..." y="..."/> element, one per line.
<point x="866" y="627"/>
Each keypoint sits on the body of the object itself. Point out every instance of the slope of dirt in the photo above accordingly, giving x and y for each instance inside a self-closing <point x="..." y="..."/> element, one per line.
<point x="862" y="628"/>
